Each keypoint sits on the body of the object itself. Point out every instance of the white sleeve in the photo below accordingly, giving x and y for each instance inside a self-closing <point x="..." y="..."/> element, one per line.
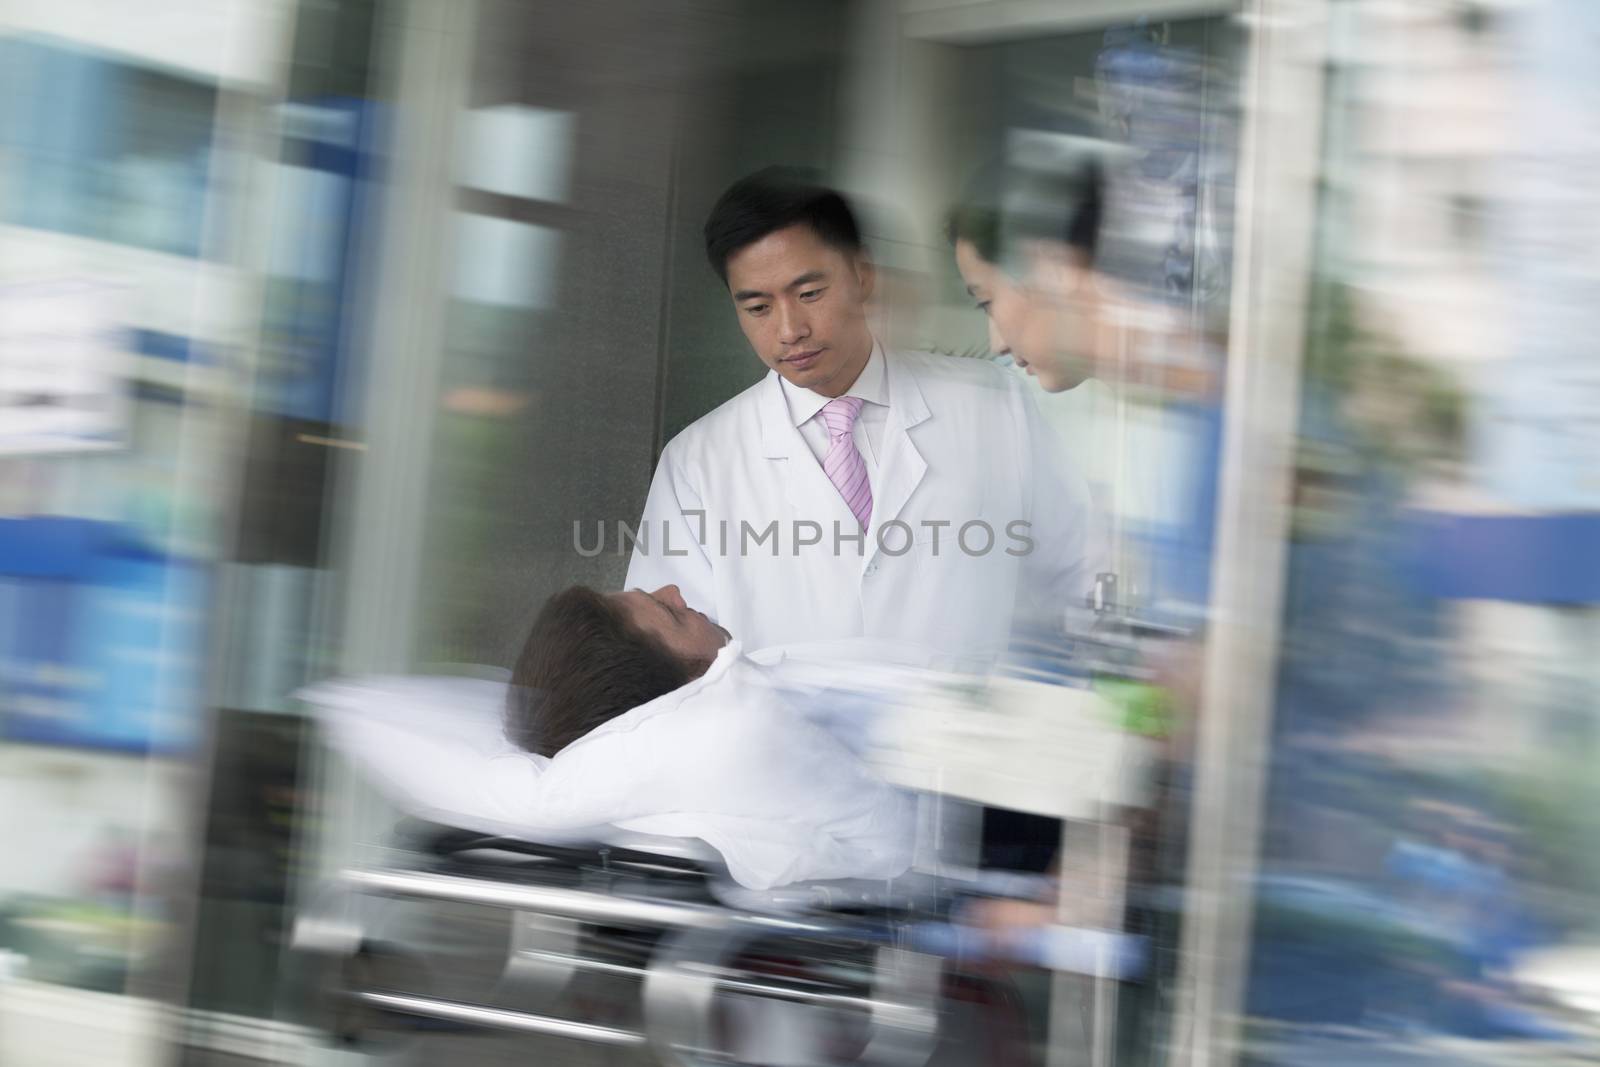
<point x="1070" y="538"/>
<point x="670" y="544"/>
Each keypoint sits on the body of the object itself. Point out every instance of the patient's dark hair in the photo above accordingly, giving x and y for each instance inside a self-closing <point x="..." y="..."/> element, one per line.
<point x="582" y="665"/>
<point x="775" y="199"/>
<point x="1004" y="204"/>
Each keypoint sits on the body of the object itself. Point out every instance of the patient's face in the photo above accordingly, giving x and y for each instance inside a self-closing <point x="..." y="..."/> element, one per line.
<point x="662" y="614"/>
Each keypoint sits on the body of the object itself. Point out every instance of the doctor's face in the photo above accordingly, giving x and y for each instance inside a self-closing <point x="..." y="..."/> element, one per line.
<point x="802" y="306"/>
<point x="1037" y="322"/>
<point x="664" y="616"/>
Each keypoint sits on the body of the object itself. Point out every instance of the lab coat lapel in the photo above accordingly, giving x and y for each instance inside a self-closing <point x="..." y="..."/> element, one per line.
<point x="903" y="465"/>
<point x="806" y="487"/>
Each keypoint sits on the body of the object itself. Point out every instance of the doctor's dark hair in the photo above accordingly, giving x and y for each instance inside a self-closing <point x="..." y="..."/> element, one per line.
<point x="771" y="200"/>
<point x="1004" y="204"/>
<point x="582" y="665"/>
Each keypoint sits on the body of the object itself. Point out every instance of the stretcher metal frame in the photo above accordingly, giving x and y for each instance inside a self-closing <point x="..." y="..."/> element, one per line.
<point x="554" y="892"/>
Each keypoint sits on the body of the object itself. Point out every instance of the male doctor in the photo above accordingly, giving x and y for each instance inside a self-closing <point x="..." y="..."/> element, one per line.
<point x="856" y="491"/>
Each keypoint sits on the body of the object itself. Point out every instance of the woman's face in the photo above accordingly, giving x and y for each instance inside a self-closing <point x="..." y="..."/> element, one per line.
<point x="1032" y="323"/>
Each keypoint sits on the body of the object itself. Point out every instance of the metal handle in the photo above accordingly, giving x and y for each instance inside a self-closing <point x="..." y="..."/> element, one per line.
<point x="549" y="900"/>
<point x="497" y="1018"/>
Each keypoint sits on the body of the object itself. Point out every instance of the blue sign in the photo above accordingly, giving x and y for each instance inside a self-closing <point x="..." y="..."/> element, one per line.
<point x="1528" y="559"/>
<point x="100" y="639"/>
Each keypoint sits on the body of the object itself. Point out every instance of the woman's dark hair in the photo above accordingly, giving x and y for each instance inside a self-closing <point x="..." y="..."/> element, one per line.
<point x="1005" y="203"/>
<point x="771" y="200"/>
<point x="583" y="665"/>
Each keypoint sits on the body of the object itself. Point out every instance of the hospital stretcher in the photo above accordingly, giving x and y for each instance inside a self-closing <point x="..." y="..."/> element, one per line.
<point x="646" y="946"/>
<point x="657" y="916"/>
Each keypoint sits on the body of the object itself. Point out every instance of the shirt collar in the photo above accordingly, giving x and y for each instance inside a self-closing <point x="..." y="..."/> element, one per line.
<point x="872" y="385"/>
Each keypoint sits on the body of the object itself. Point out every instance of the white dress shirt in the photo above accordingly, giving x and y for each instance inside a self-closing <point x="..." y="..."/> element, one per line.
<point x="872" y="386"/>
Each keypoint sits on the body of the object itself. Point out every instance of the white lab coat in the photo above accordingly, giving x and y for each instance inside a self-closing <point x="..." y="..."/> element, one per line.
<point x="964" y="444"/>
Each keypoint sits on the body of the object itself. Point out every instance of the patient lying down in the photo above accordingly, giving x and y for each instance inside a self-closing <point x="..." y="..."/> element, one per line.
<point x="593" y="656"/>
<point x="627" y="710"/>
<point x="654" y="719"/>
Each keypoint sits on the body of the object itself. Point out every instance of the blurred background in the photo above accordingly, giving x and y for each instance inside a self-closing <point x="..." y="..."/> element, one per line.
<point x="323" y="322"/>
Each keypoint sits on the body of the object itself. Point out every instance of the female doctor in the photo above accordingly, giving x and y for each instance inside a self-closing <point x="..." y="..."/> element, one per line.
<point x="1124" y="377"/>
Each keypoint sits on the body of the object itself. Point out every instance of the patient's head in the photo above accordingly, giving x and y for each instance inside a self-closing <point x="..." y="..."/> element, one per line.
<point x="593" y="656"/>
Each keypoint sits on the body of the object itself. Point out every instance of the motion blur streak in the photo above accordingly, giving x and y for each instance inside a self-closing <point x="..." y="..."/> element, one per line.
<point x="324" y="324"/>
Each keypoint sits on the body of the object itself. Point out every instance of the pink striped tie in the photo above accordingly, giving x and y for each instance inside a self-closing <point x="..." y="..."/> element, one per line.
<point x="843" y="464"/>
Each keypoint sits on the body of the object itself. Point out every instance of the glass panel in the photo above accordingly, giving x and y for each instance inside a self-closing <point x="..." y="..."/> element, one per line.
<point x="501" y="263"/>
<point x="1428" y="874"/>
<point x="520" y="151"/>
<point x="101" y="148"/>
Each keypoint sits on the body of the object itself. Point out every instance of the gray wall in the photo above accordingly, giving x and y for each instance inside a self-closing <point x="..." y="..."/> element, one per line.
<point x="641" y="340"/>
<point x="769" y="96"/>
